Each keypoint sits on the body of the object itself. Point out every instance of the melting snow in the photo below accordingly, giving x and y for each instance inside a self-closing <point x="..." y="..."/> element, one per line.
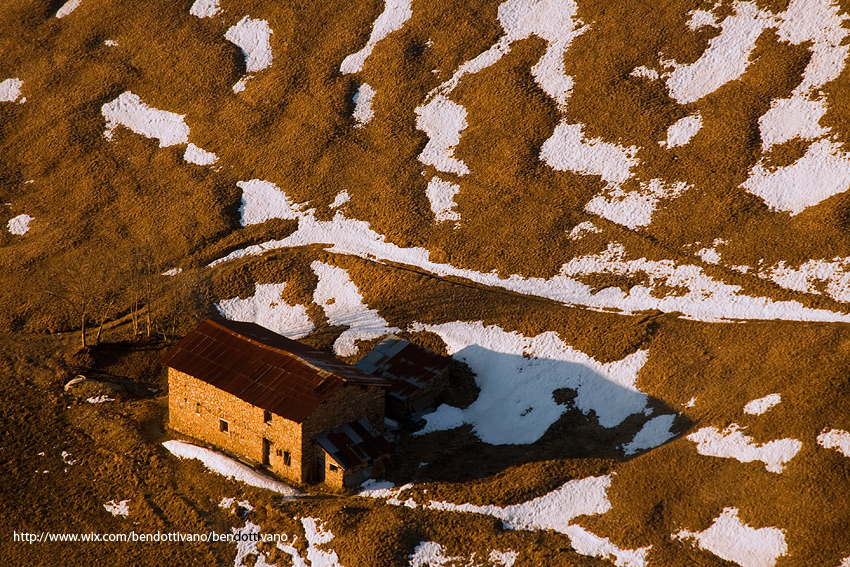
<point x="247" y="545"/>
<point x="726" y="58"/>
<point x="227" y="467"/>
<point x="582" y="229"/>
<point x="172" y="272"/>
<point x="432" y="554"/>
<point x="644" y="73"/>
<point x="835" y="439"/>
<point x="205" y="8"/>
<point x="761" y="405"/>
<point x="633" y="209"/>
<point x="343" y="305"/>
<point x="701" y="18"/>
<point x="706" y="300"/>
<point x="19" y="225"/>
<point x="790" y="118"/>
<point x="681" y="132"/>
<point x="822" y="172"/>
<point x="10" y="90"/>
<point x="441" y="194"/>
<point x="118" y="508"/>
<point x="654" y="433"/>
<point x="253" y="38"/>
<point x="316" y="536"/>
<point x="341" y="198"/>
<point x="395" y="13"/>
<point x="129" y="110"/>
<point x="363" y="112"/>
<point x="731" y="539"/>
<point x="66" y="458"/>
<point x="568" y="150"/>
<point x="100" y="399"/>
<point x="67" y="8"/>
<point x="443" y="121"/>
<point x="835" y="274"/>
<point x="199" y="156"/>
<point x="266" y="308"/>
<point x="732" y="444"/>
<point x="229" y="502"/>
<point x="517" y="376"/>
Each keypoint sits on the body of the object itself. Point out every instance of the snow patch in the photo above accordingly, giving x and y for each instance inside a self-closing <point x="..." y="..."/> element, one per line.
<point x="432" y="554"/>
<point x="67" y="8"/>
<point x="100" y="399"/>
<point x="172" y="272"/>
<point x="654" y="433"/>
<point x="10" y="90"/>
<point x="582" y="229"/>
<point x="110" y="43"/>
<point x="726" y="59"/>
<point x="341" y="198"/>
<point x="790" y="118"/>
<point x="644" y="72"/>
<point x="118" y="508"/>
<point x="253" y="38"/>
<point x="706" y="300"/>
<point x="205" y="8"/>
<point x="316" y="535"/>
<point x="681" y="132"/>
<point x="835" y="439"/>
<point x="815" y="276"/>
<point x="227" y="467"/>
<point x="568" y="150"/>
<point x="732" y="444"/>
<point x="761" y="405"/>
<point x="731" y="539"/>
<point x="633" y="209"/>
<point x="128" y="110"/>
<point x="822" y="172"/>
<point x="441" y="195"/>
<point x="700" y="19"/>
<point x="199" y="156"/>
<point x="268" y="309"/>
<point x="339" y="297"/>
<point x="229" y="502"/>
<point x="517" y="376"/>
<point x="363" y="112"/>
<point x="395" y="13"/>
<point x="66" y="458"/>
<point x="19" y="225"/>
<point x="443" y="121"/>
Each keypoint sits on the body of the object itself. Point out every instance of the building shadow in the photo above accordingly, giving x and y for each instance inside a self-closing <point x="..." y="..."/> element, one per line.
<point x="532" y="409"/>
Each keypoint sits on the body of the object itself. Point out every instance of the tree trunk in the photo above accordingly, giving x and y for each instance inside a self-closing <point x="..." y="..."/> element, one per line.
<point x="99" y="331"/>
<point x="83" y="330"/>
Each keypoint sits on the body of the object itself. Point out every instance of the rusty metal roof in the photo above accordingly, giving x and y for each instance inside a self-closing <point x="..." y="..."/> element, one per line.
<point x="263" y="368"/>
<point x="407" y="366"/>
<point x="354" y="444"/>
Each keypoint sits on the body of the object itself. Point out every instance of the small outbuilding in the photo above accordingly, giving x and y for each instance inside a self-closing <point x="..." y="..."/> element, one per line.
<point x="301" y="413"/>
<point x="417" y="376"/>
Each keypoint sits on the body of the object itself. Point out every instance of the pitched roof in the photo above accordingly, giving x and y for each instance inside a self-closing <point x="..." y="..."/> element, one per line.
<point x="353" y="444"/>
<point x="407" y="366"/>
<point x="263" y="368"/>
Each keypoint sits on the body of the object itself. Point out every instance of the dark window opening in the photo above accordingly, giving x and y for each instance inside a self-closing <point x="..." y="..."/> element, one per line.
<point x="332" y="467"/>
<point x="267" y="450"/>
<point x="267" y="416"/>
<point x="287" y="458"/>
<point x="222" y="425"/>
<point x="198" y="408"/>
<point x="280" y="452"/>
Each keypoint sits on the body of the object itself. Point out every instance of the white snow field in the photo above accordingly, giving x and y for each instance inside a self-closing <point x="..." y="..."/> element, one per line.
<point x="553" y="511"/>
<point x="707" y="299"/>
<point x="67" y="8"/>
<point x="761" y="405"/>
<point x="432" y="554"/>
<point x="10" y="90"/>
<point x="227" y="467"/>
<point x="830" y="276"/>
<point x="121" y="508"/>
<point x="266" y="308"/>
<point x="731" y="443"/>
<point x="199" y="156"/>
<point x="633" y="209"/>
<point x="731" y="539"/>
<point x="517" y="376"/>
<point x="441" y="195"/>
<point x="835" y="439"/>
<point x="395" y="13"/>
<point x="654" y="433"/>
<point x="19" y="225"/>
<point x="363" y="112"/>
<point x="205" y="8"/>
<point x="129" y="111"/>
<point x="443" y="121"/>
<point x="253" y="37"/>
<point x="681" y="132"/>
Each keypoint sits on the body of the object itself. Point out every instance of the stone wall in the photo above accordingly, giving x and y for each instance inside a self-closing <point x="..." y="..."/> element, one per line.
<point x="197" y="409"/>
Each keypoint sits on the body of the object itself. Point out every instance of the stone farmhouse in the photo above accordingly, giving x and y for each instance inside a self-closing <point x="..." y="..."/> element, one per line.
<point x="301" y="413"/>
